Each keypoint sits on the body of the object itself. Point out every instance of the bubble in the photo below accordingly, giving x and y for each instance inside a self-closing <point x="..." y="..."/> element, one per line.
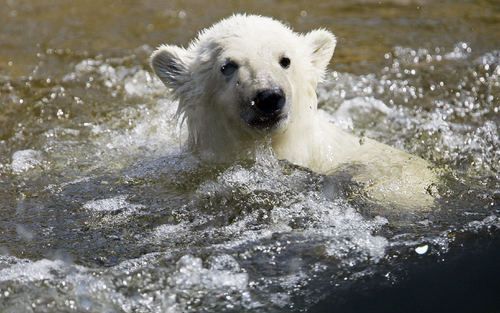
<point x="182" y="14"/>
<point x="422" y="249"/>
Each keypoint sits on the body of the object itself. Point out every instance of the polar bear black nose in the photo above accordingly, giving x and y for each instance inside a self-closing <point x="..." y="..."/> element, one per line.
<point x="269" y="101"/>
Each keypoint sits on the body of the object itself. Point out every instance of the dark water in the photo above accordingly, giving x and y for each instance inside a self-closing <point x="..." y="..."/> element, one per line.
<point x="102" y="210"/>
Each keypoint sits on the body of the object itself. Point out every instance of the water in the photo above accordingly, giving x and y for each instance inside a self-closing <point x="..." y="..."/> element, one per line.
<point x="102" y="210"/>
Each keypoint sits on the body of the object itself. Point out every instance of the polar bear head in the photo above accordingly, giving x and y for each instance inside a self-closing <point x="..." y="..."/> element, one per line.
<point x="244" y="79"/>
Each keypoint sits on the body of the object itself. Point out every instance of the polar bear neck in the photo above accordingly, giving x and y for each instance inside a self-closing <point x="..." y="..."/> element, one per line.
<point x="217" y="139"/>
<point x="297" y="144"/>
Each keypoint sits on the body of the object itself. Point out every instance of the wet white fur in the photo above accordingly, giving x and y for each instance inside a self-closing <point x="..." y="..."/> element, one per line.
<point x="210" y="103"/>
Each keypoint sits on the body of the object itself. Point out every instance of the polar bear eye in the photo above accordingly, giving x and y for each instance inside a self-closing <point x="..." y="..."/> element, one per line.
<point x="285" y="62"/>
<point x="229" y="68"/>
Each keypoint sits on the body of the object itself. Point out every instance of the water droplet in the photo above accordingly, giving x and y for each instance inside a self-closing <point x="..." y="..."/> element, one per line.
<point x="422" y="249"/>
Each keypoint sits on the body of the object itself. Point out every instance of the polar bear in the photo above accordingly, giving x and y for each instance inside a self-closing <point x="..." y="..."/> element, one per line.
<point x="250" y="80"/>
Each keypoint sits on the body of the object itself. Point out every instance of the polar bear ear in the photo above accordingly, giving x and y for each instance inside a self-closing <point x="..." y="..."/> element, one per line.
<point x="170" y="64"/>
<point x="322" y="44"/>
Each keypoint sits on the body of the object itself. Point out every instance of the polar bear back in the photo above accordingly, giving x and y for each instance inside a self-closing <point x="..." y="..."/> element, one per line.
<point x="387" y="175"/>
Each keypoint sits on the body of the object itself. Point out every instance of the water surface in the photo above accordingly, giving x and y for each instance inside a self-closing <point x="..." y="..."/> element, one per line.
<point x="102" y="210"/>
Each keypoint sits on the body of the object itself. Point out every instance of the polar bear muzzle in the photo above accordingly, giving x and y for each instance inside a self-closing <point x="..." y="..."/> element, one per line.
<point x="267" y="108"/>
<point x="269" y="101"/>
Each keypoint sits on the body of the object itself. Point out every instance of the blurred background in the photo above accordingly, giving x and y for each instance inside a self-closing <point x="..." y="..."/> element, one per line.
<point x="366" y="29"/>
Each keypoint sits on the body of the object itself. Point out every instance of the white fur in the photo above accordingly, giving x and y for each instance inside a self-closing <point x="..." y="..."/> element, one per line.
<point x="213" y="106"/>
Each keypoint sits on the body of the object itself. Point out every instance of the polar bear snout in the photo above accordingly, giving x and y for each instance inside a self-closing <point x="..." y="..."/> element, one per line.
<point x="269" y="101"/>
<point x="268" y="109"/>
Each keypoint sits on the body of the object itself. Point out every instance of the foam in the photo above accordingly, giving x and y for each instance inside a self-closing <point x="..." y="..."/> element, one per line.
<point x="117" y="203"/>
<point x="24" y="160"/>
<point x="31" y="271"/>
<point x="223" y="272"/>
<point x="357" y="109"/>
<point x="310" y="213"/>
